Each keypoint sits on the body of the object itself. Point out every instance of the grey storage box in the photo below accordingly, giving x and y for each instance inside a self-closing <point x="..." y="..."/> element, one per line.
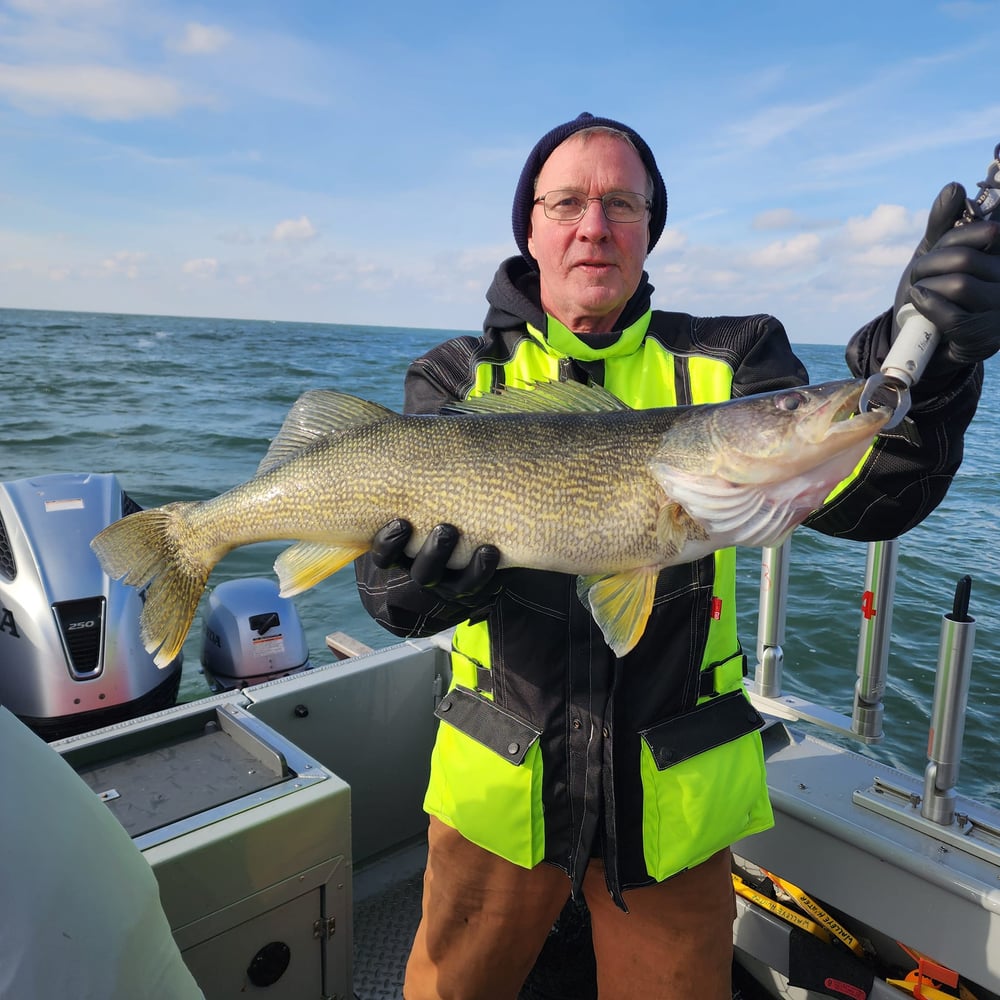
<point x="249" y="840"/>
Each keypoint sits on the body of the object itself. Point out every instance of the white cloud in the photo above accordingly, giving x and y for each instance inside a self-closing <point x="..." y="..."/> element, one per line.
<point x="777" y="218"/>
<point x="672" y="240"/>
<point x="125" y="262"/>
<point x="968" y="9"/>
<point x="760" y="130"/>
<point x="240" y="236"/>
<point x="51" y="8"/>
<point x="886" y="222"/>
<point x="722" y="278"/>
<point x="201" y="267"/>
<point x="298" y="230"/>
<point x="796" y="251"/>
<point x="884" y="255"/>
<point x="103" y="93"/>
<point x="202" y="39"/>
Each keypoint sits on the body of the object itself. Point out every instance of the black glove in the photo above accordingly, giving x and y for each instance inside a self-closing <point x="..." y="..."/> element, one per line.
<point x="953" y="279"/>
<point x="474" y="585"/>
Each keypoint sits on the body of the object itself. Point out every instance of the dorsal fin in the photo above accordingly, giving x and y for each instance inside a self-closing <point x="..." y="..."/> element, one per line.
<point x="317" y="414"/>
<point x="542" y="397"/>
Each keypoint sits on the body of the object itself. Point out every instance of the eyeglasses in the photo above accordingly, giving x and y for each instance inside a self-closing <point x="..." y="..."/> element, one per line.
<point x="569" y="206"/>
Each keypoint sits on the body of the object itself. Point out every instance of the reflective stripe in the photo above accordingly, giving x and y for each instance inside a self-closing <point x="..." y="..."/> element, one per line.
<point x="645" y="379"/>
<point x="531" y="362"/>
<point x="711" y="380"/>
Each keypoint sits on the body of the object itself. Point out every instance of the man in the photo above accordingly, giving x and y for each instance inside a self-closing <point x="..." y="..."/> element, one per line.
<point x="545" y="764"/>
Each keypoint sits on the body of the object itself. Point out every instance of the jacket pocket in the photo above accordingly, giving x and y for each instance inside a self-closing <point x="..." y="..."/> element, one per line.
<point x="703" y="783"/>
<point x="486" y="777"/>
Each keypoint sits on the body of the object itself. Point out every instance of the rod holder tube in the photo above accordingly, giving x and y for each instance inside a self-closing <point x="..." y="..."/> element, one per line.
<point x="951" y="698"/>
<point x="873" y="642"/>
<point x="772" y="612"/>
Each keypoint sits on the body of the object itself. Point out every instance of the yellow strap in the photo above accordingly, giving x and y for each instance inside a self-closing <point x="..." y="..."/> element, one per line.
<point x="928" y="992"/>
<point x="784" y="912"/>
<point x="814" y="909"/>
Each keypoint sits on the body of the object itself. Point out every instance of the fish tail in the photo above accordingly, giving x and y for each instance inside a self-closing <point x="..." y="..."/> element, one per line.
<point x="152" y="549"/>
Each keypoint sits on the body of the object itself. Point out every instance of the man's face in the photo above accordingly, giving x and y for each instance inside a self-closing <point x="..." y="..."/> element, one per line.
<point x="589" y="269"/>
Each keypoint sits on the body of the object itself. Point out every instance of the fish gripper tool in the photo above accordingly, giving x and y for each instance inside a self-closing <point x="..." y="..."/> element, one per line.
<point x="918" y="337"/>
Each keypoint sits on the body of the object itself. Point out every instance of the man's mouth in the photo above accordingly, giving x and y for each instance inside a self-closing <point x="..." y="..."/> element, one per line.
<point x="594" y="264"/>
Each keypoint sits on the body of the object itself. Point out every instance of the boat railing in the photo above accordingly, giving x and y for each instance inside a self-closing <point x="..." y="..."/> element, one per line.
<point x="935" y="806"/>
<point x="865" y="722"/>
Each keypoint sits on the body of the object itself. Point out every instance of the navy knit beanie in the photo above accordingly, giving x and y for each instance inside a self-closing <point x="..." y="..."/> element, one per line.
<point x="524" y="194"/>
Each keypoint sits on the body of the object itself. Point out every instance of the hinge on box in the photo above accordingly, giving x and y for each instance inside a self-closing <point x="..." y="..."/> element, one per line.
<point x="325" y="927"/>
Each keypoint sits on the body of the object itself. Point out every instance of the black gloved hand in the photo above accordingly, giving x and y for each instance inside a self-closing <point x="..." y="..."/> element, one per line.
<point x="953" y="279"/>
<point x="474" y="585"/>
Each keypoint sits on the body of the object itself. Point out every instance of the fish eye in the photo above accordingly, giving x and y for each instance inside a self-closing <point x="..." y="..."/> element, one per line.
<point x="790" y="400"/>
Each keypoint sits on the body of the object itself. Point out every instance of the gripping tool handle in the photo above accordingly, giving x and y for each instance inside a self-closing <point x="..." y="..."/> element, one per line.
<point x="904" y="364"/>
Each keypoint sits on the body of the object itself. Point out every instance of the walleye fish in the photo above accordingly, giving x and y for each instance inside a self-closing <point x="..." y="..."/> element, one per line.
<point x="560" y="477"/>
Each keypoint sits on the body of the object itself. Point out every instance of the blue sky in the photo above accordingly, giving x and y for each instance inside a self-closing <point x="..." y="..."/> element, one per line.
<point x="314" y="160"/>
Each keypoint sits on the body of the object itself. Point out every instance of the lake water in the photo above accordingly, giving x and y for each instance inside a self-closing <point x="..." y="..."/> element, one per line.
<point x="182" y="409"/>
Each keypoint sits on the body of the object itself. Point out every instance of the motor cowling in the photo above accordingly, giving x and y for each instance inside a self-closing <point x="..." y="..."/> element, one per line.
<point x="251" y="634"/>
<point x="71" y="658"/>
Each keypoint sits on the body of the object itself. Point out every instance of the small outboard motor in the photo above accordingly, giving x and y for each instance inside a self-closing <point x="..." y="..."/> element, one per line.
<point x="71" y="658"/>
<point x="250" y="634"/>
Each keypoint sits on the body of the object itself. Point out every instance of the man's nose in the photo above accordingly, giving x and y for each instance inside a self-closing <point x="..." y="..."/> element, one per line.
<point x="594" y="222"/>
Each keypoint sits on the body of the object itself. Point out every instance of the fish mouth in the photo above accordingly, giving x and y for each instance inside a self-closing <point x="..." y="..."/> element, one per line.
<point x="840" y="414"/>
<point x="845" y="407"/>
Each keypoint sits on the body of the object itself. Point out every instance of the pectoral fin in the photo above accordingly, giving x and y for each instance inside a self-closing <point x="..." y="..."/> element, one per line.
<point x="675" y="528"/>
<point x="620" y="604"/>
<point x="304" y="565"/>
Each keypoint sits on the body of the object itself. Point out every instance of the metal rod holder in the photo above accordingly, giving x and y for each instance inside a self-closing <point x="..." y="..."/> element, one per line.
<point x="873" y="642"/>
<point x="771" y="619"/>
<point x="951" y="697"/>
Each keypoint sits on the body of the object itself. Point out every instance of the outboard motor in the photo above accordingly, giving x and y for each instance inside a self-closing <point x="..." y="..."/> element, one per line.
<point x="71" y="658"/>
<point x="250" y="634"/>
